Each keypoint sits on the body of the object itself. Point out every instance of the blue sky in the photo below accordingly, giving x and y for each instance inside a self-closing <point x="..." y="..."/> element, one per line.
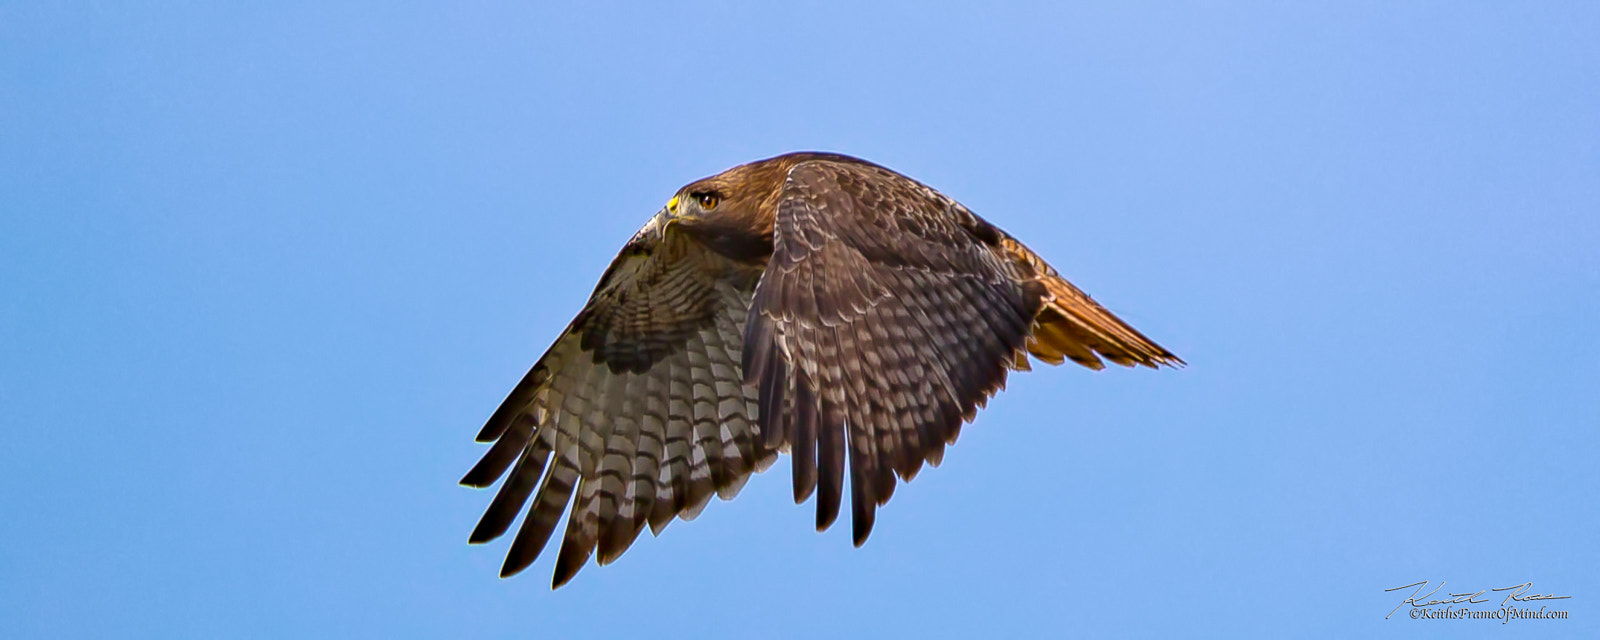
<point x="264" y="271"/>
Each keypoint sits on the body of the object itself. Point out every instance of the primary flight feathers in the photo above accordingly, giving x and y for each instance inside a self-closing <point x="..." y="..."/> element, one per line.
<point x="811" y="303"/>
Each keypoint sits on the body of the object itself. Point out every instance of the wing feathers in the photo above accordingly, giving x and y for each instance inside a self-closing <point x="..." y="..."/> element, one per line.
<point x="895" y="319"/>
<point x="642" y="400"/>
<point x="500" y="456"/>
<point x="579" y="540"/>
<point x="547" y="507"/>
<point x="508" y="502"/>
<point x="617" y="498"/>
<point x="830" y="464"/>
<point x="803" y="454"/>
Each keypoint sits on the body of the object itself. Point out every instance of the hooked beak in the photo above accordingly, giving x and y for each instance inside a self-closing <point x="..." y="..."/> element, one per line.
<point x="669" y="215"/>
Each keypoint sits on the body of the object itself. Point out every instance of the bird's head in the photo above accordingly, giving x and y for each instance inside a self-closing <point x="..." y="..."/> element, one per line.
<point x="733" y="212"/>
<point x="740" y="199"/>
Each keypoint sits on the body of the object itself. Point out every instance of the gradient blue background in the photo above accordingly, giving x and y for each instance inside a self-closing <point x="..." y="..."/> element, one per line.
<point x="264" y="271"/>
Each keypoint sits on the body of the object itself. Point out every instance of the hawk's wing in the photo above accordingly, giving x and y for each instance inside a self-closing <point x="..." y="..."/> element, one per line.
<point x="638" y="409"/>
<point x="883" y="321"/>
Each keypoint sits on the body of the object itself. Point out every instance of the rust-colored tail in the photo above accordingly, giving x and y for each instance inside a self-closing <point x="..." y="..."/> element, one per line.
<point x="1072" y="326"/>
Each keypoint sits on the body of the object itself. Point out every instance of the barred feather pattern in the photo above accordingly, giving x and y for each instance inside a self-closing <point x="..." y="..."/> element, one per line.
<point x="882" y="323"/>
<point x="636" y="415"/>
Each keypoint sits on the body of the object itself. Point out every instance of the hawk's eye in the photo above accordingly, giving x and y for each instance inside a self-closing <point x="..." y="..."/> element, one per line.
<point x="708" y="200"/>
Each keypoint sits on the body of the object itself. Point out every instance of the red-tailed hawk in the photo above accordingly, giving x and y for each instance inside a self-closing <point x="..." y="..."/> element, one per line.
<point x="812" y="303"/>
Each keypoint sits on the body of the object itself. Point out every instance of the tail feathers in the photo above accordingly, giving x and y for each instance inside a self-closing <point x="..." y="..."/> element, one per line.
<point x="1072" y="326"/>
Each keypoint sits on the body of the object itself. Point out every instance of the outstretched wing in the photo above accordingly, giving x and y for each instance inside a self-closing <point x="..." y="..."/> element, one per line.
<point x="638" y="409"/>
<point x="884" y="320"/>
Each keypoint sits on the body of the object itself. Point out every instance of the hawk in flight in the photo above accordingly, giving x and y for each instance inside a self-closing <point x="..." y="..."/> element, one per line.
<point x="812" y="303"/>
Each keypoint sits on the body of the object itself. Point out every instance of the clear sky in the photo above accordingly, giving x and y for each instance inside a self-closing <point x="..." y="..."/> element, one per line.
<point x="265" y="268"/>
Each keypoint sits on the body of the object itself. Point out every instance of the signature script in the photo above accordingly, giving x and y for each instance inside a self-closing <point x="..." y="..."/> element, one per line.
<point x="1518" y="593"/>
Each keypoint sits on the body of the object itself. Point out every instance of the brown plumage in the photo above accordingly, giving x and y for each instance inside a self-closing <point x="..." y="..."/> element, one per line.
<point x="811" y="303"/>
